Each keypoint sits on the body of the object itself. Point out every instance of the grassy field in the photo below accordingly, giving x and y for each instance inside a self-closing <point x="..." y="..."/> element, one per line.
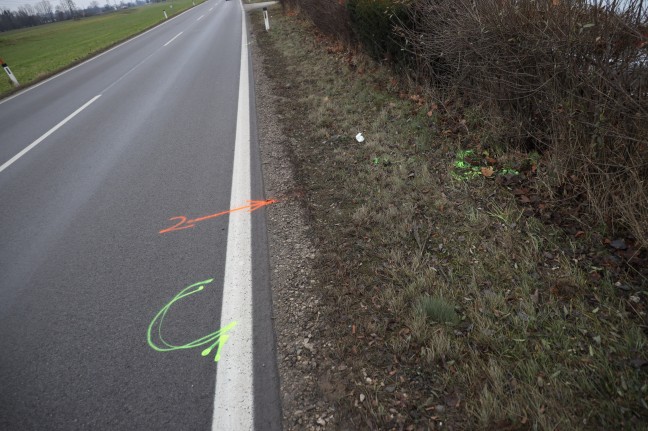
<point x="444" y="305"/>
<point x="37" y="52"/>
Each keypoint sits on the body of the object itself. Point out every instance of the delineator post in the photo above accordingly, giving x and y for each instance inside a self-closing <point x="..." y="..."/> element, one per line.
<point x="266" y="19"/>
<point x="9" y="73"/>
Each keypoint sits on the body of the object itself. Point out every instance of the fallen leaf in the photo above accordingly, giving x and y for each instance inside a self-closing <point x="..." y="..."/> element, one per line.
<point x="594" y="276"/>
<point x="487" y="172"/>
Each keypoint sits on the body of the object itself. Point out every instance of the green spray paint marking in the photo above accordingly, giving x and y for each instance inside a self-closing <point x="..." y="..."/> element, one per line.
<point x="218" y="338"/>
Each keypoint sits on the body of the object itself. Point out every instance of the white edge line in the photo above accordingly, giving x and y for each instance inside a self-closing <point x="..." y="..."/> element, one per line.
<point x="48" y="133"/>
<point x="13" y="96"/>
<point x="173" y="38"/>
<point x="234" y="392"/>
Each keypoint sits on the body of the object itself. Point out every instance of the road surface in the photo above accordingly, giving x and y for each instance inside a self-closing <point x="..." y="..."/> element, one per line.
<point x="93" y="164"/>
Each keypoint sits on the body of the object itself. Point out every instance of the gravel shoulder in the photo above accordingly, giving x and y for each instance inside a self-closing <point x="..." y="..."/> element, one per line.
<point x="295" y="295"/>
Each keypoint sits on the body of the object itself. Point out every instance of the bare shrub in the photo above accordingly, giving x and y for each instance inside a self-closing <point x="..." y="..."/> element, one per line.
<point x="331" y="17"/>
<point x="570" y="76"/>
<point x="374" y="23"/>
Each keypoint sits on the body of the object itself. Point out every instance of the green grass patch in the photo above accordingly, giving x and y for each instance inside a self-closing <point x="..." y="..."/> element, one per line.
<point x="437" y="310"/>
<point x="37" y="52"/>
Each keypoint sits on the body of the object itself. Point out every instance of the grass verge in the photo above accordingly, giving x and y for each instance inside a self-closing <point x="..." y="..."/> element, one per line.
<point x="38" y="52"/>
<point x="448" y="307"/>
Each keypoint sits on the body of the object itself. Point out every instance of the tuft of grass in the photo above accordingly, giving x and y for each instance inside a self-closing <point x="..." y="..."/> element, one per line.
<point x="437" y="309"/>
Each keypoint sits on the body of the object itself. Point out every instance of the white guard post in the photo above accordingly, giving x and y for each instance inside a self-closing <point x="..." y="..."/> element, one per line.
<point x="9" y="73"/>
<point x="165" y="15"/>
<point x="266" y="19"/>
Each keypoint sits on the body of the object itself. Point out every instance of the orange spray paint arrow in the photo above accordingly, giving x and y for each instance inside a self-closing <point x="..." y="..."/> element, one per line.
<point x="187" y="224"/>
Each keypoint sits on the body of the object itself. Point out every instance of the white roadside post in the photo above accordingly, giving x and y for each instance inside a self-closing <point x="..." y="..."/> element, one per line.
<point x="9" y="73"/>
<point x="266" y="19"/>
<point x="165" y="15"/>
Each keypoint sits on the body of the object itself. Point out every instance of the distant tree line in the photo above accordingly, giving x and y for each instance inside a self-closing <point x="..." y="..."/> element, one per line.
<point x="45" y="12"/>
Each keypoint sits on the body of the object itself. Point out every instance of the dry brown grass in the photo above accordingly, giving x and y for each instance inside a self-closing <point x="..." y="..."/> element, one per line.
<point x="539" y="345"/>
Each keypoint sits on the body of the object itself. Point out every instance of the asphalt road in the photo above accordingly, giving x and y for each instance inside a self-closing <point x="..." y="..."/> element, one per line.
<point x="117" y="146"/>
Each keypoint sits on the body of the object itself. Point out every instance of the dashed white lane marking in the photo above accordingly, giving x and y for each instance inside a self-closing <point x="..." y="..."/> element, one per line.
<point x="173" y="38"/>
<point x="46" y="134"/>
